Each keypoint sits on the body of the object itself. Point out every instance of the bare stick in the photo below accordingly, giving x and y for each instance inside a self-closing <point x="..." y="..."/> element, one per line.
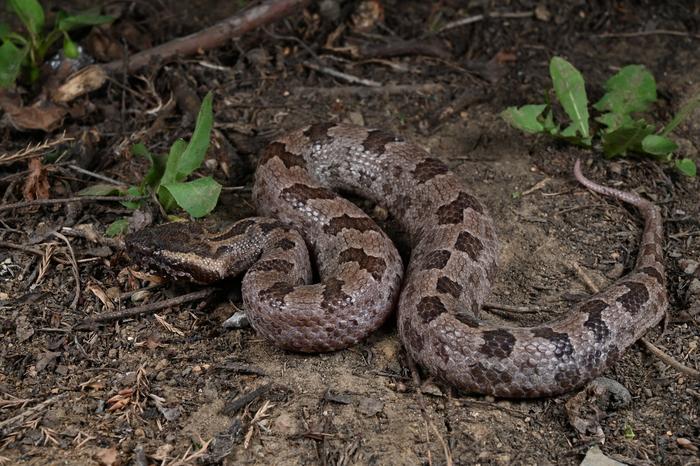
<point x="388" y="89"/>
<point x="96" y="175"/>
<point x="85" y="324"/>
<point x="68" y="200"/>
<point x="655" y="32"/>
<point x="74" y="268"/>
<point x="344" y="76"/>
<point x="586" y="279"/>
<point x="683" y="369"/>
<point x="477" y="18"/>
<point x="211" y="37"/>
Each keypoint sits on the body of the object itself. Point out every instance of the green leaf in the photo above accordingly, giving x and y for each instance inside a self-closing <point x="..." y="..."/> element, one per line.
<point x="525" y="118"/>
<point x="548" y="123"/>
<point x="170" y="174"/>
<point x="132" y="191"/>
<point x="156" y="169"/>
<point x="70" y="49"/>
<point x="117" y="228"/>
<point x="685" y="110"/>
<point x="687" y="167"/>
<point x="571" y="92"/>
<point x="30" y="12"/>
<point x="632" y="89"/>
<point x="86" y="18"/>
<point x="11" y="59"/>
<point x="658" y="145"/>
<point x="629" y="432"/>
<point x="196" y="149"/>
<point x="621" y="140"/>
<point x="101" y="189"/>
<point x="197" y="197"/>
<point x="614" y="121"/>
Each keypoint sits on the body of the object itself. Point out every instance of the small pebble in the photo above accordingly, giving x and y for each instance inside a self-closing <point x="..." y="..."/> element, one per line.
<point x="689" y="266"/>
<point x="238" y="320"/>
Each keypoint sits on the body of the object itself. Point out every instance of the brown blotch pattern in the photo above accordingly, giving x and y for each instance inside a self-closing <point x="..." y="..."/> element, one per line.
<point x="361" y="224"/>
<point x="375" y="266"/>
<point x="649" y="249"/>
<point x="303" y="192"/>
<point x="276" y="292"/>
<point x="652" y="272"/>
<point x="429" y="308"/>
<point x="470" y="244"/>
<point x="376" y="140"/>
<point x="595" y="322"/>
<point x="447" y="286"/>
<point x="277" y="149"/>
<point x="269" y="226"/>
<point x="453" y="213"/>
<point x="635" y="298"/>
<point x="498" y="343"/>
<point x="318" y="133"/>
<point x="485" y="376"/>
<point x="333" y="295"/>
<point x="236" y="229"/>
<point x="562" y="343"/>
<point x="285" y="244"/>
<point x="414" y="338"/>
<point x="436" y="259"/>
<point x="428" y="169"/>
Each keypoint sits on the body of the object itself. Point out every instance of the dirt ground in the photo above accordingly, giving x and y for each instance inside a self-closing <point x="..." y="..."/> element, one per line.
<point x="178" y="388"/>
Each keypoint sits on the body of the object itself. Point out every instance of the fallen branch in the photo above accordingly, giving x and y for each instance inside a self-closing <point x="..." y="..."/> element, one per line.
<point x="344" y="76"/>
<point x="669" y="360"/>
<point x="427" y="88"/>
<point x="211" y="37"/>
<point x="87" y="324"/>
<point x="68" y="200"/>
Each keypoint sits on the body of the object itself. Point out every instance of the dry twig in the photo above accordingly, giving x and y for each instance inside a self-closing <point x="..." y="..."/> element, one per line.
<point x="340" y="75"/>
<point x="211" y="37"/>
<point x="33" y="150"/>
<point x="86" y="324"/>
<point x="683" y="369"/>
<point x="68" y="200"/>
<point x="655" y="32"/>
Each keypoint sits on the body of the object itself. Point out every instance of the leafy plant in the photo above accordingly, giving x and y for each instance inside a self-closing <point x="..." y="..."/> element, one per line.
<point x="18" y="51"/>
<point x="167" y="175"/>
<point x="620" y="130"/>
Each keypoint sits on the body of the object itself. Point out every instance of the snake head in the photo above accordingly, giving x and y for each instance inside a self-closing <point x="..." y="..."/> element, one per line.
<point x="176" y="250"/>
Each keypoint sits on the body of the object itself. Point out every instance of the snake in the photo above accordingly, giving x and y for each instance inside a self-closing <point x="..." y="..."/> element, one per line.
<point x="321" y="275"/>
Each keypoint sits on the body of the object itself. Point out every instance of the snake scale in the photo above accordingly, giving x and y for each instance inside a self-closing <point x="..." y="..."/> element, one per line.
<point x="452" y="265"/>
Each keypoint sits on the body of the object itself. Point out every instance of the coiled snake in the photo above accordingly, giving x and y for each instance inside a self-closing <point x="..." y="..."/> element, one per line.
<point x="453" y="260"/>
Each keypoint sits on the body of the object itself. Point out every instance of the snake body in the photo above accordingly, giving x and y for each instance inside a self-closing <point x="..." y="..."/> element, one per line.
<point x="452" y="265"/>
